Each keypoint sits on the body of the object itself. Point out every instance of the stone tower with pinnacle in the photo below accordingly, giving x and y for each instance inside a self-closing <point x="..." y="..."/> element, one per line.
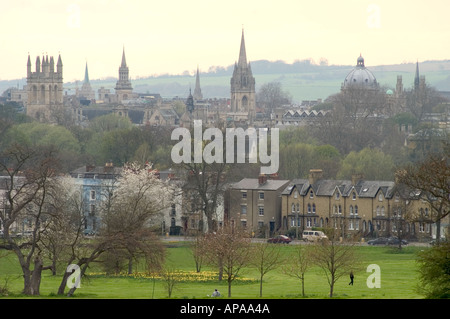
<point x="123" y="87"/>
<point x="243" y="85"/>
<point x="45" y="89"/>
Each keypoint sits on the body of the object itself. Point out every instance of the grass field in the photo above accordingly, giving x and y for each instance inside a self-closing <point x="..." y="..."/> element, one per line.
<point x="398" y="280"/>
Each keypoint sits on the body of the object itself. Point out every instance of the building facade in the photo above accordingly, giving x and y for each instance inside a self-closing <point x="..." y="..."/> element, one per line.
<point x="44" y="89"/>
<point x="368" y="208"/>
<point x="255" y="204"/>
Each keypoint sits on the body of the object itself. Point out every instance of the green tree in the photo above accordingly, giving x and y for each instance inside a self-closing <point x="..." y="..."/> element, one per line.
<point x="373" y="163"/>
<point x="434" y="272"/>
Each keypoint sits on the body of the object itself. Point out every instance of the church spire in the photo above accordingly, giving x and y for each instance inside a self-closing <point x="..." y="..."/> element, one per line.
<point x="198" y="91"/>
<point x="242" y="54"/>
<point x="124" y="62"/>
<point x="417" y="78"/>
<point x="86" y="74"/>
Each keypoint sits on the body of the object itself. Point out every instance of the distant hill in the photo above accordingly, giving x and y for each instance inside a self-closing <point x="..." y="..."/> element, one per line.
<point x="302" y="79"/>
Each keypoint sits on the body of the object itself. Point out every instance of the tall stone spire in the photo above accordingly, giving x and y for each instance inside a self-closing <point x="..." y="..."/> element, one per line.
<point x="243" y="85"/>
<point x="242" y="54"/>
<point x="417" y="77"/>
<point x="86" y="74"/>
<point x="197" y="91"/>
<point x="124" y="62"/>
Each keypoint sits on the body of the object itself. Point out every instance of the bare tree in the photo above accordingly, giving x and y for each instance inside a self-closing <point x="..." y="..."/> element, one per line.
<point x="271" y="96"/>
<point x="299" y="264"/>
<point x="228" y="248"/>
<point x="430" y="180"/>
<point x="30" y="181"/>
<point x="265" y="257"/>
<point x="353" y="123"/>
<point x="336" y="258"/>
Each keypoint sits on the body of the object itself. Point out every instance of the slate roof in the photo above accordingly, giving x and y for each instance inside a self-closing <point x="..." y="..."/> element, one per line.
<point x="326" y="187"/>
<point x="253" y="183"/>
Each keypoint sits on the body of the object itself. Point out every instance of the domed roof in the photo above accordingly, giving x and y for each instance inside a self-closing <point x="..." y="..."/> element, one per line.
<point x="360" y="76"/>
<point x="389" y="92"/>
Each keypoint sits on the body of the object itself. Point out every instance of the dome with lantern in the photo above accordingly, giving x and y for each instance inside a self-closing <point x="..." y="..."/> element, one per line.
<point x="360" y="77"/>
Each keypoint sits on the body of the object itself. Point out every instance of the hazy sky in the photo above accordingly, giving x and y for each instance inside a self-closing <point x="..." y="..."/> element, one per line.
<point x="171" y="36"/>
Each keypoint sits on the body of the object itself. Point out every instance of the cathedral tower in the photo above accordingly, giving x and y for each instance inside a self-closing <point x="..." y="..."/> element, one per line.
<point x="243" y="85"/>
<point x="45" y="89"/>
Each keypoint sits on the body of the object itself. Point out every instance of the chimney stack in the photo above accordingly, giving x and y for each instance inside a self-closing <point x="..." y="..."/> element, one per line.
<point x="356" y="178"/>
<point x="262" y="179"/>
<point x="314" y="175"/>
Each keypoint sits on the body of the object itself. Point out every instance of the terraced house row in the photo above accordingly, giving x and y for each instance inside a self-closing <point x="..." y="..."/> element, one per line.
<point x="369" y="208"/>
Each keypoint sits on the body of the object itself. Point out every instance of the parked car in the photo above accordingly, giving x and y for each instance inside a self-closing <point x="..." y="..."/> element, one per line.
<point x="378" y="241"/>
<point x="395" y="241"/>
<point x="280" y="239"/>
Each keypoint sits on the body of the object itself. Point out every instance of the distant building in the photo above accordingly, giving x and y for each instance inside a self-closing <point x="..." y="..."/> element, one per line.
<point x="86" y="94"/>
<point x="44" y="89"/>
<point x="356" y="206"/>
<point x="123" y="89"/>
<point x="360" y="77"/>
<point x="243" y="100"/>
<point x="255" y="204"/>
<point x="95" y="183"/>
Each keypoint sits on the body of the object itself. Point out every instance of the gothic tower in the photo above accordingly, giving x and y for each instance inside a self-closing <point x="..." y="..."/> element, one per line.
<point x="243" y="85"/>
<point x="123" y="86"/>
<point x="45" y="89"/>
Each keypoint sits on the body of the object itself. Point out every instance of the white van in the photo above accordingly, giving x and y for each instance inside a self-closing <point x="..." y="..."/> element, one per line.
<point x="313" y="235"/>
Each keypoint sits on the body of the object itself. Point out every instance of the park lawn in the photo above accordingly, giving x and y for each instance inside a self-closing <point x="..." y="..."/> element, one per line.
<point x="398" y="280"/>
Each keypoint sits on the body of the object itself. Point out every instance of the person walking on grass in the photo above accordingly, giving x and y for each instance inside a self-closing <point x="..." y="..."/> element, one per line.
<point x="351" y="278"/>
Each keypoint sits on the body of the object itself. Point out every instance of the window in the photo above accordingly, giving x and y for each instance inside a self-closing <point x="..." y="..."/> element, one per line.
<point x="311" y="194"/>
<point x="314" y="208"/>
<point x="293" y="208"/>
<point x="337" y="195"/>
<point x="340" y="209"/>
<point x="261" y="195"/>
<point x="309" y="208"/>
<point x="243" y="209"/>
<point x="378" y="210"/>
<point x="380" y="197"/>
<point x="295" y="194"/>
<point x="261" y="210"/>
<point x="356" y="209"/>
<point x="308" y="222"/>
<point x="244" y="194"/>
<point x="353" y="196"/>
<point x="351" y="210"/>
<point x="92" y="195"/>
<point x="382" y="210"/>
<point x="260" y="224"/>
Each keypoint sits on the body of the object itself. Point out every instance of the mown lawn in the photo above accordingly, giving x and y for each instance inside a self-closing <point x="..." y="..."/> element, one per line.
<point x="398" y="280"/>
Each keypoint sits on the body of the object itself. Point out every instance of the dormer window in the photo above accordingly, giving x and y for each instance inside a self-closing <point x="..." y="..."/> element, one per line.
<point x="353" y="196"/>
<point x="311" y="194"/>
<point x="380" y="197"/>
